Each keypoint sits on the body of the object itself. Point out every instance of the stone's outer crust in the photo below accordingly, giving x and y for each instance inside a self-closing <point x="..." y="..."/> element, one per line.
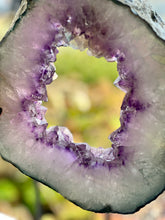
<point x="21" y="10"/>
<point x="121" y="179"/>
<point x="146" y="12"/>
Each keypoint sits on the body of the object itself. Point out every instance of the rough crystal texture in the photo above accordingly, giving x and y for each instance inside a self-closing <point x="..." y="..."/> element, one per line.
<point x="120" y="179"/>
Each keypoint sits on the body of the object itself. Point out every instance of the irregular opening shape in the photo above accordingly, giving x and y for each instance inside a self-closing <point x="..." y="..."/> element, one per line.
<point x="119" y="179"/>
<point x="83" y="97"/>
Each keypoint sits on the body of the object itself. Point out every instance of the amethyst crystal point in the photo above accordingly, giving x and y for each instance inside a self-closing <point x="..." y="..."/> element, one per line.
<point x="131" y="173"/>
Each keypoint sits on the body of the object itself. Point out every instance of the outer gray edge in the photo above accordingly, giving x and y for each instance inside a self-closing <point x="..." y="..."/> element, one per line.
<point x="20" y="11"/>
<point x="143" y="9"/>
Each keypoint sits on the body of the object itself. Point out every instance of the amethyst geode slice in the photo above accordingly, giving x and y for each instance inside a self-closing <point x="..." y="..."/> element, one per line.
<point x="131" y="173"/>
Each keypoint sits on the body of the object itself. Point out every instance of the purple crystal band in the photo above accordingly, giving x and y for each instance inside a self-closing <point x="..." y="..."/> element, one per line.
<point x="62" y="32"/>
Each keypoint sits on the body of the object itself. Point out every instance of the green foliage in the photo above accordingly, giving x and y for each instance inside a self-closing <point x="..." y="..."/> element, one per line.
<point x="88" y="68"/>
<point x="8" y="190"/>
<point x="84" y="98"/>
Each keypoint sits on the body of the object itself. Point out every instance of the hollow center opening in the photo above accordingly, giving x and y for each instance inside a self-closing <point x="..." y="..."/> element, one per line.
<point x="83" y="97"/>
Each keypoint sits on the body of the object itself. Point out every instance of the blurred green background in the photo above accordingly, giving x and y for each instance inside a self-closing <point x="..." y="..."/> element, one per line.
<point x="84" y="99"/>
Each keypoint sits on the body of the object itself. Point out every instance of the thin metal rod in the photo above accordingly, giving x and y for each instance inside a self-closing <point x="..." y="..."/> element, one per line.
<point x="38" y="207"/>
<point x="107" y="216"/>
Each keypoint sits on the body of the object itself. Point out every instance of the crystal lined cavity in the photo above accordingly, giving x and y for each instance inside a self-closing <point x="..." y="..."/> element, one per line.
<point x="59" y="136"/>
